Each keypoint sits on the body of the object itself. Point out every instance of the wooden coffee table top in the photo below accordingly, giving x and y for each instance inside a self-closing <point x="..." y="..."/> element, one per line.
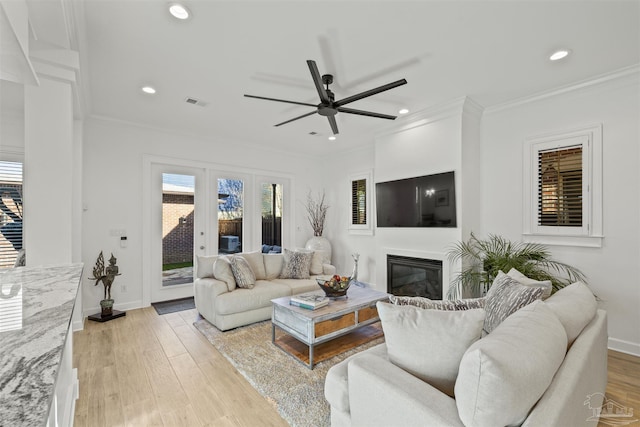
<point x="357" y="297"/>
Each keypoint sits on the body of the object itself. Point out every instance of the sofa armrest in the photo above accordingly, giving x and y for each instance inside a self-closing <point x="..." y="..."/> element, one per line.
<point x="328" y="269"/>
<point x="382" y="394"/>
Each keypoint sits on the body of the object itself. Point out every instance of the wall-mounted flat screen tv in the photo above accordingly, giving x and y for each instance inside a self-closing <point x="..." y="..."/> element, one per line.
<point x="424" y="201"/>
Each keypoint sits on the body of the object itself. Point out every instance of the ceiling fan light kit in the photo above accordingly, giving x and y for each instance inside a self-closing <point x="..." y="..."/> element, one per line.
<point x="328" y="106"/>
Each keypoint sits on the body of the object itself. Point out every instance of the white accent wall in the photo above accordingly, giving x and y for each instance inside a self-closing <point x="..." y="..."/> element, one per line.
<point x="613" y="271"/>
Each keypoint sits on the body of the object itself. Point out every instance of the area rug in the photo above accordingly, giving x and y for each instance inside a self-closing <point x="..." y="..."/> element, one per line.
<point x="296" y="391"/>
<point x="182" y="304"/>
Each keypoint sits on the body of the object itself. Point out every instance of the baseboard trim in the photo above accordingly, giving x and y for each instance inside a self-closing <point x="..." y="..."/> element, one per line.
<point x="622" y="346"/>
<point x="122" y="307"/>
<point x="78" y="325"/>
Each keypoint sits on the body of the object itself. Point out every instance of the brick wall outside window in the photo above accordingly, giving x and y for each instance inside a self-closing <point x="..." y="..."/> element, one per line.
<point x="177" y="235"/>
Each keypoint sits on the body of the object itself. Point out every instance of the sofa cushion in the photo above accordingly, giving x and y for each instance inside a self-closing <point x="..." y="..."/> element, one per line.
<point x="204" y="266"/>
<point x="503" y="375"/>
<point x="222" y="271"/>
<point x="317" y="259"/>
<point x="575" y="306"/>
<point x="245" y="278"/>
<point x="255" y="260"/>
<point x="296" y="264"/>
<point x="242" y="300"/>
<point x="451" y="305"/>
<point x="272" y="265"/>
<point x="429" y="344"/>
<point x="299" y="286"/>
<point x="524" y="280"/>
<point x="506" y="296"/>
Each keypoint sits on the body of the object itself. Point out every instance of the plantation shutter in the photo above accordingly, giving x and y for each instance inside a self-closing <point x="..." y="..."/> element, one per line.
<point x="10" y="212"/>
<point x="358" y="202"/>
<point x="560" y="187"/>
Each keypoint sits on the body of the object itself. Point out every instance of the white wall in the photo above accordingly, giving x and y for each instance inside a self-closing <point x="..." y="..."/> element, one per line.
<point x="112" y="185"/>
<point x="613" y="271"/>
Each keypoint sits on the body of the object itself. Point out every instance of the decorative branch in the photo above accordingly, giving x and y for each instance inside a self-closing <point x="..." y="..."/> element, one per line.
<point x="316" y="212"/>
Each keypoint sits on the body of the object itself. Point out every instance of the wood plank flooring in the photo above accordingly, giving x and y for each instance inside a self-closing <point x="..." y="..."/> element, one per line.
<point x="150" y="370"/>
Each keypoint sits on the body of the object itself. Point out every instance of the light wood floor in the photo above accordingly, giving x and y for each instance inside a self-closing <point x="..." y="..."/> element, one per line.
<point x="149" y="370"/>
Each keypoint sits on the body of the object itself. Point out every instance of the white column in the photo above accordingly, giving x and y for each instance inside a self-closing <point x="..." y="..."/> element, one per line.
<point x="49" y="166"/>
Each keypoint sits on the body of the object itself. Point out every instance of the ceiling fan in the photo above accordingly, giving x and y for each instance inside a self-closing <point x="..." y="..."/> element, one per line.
<point x="328" y="106"/>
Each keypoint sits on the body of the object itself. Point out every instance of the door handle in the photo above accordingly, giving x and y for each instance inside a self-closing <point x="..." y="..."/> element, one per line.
<point x="201" y="247"/>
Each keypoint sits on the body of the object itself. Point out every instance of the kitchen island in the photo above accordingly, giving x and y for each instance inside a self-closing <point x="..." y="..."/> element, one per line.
<point x="38" y="385"/>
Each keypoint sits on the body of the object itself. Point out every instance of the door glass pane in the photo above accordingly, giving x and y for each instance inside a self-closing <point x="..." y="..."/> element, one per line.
<point x="271" y="205"/>
<point x="10" y="214"/>
<point x="177" y="228"/>
<point x="230" y="215"/>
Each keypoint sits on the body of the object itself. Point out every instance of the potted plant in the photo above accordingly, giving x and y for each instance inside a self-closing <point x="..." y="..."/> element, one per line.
<point x="317" y="214"/>
<point x="483" y="258"/>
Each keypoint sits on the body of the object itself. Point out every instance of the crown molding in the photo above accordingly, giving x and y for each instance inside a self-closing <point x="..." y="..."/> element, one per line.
<point x="592" y="81"/>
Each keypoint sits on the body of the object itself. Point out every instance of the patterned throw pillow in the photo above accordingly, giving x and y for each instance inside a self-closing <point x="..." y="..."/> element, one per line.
<point x="448" y="305"/>
<point x="296" y="265"/>
<point x="505" y="297"/>
<point x="242" y="272"/>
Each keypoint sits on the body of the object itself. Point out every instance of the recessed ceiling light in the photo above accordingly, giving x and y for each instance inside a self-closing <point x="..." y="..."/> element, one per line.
<point x="403" y="111"/>
<point x="332" y="138"/>
<point x="149" y="90"/>
<point x="559" y="54"/>
<point x="179" y="11"/>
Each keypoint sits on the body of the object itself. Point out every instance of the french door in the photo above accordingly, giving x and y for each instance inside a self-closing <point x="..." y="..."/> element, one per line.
<point x="178" y="229"/>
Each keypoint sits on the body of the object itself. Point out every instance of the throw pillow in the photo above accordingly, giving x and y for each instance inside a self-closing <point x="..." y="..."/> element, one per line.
<point x="317" y="258"/>
<point x="451" y="305"/>
<point x="245" y="278"/>
<point x="505" y="297"/>
<point x="296" y="265"/>
<point x="222" y="271"/>
<point x="273" y="265"/>
<point x="257" y="264"/>
<point x="503" y="375"/>
<point x="429" y="344"/>
<point x="544" y="284"/>
<point x="575" y="306"/>
<point x="204" y="266"/>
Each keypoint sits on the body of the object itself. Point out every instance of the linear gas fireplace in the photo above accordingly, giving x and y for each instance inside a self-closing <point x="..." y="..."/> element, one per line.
<point x="414" y="276"/>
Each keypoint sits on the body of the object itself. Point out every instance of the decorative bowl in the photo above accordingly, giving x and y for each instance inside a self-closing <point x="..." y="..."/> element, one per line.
<point x="334" y="287"/>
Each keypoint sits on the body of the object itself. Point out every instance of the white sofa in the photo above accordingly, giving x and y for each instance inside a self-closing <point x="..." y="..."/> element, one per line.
<point x="227" y="309"/>
<point x="367" y="389"/>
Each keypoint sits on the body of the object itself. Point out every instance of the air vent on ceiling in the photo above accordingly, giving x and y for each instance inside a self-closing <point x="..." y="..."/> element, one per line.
<point x="195" y="101"/>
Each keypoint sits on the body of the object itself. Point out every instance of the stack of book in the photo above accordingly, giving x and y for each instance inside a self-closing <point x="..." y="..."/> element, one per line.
<point x="310" y="301"/>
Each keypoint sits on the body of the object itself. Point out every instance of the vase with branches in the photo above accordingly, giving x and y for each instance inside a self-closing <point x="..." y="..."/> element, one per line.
<point x="483" y="258"/>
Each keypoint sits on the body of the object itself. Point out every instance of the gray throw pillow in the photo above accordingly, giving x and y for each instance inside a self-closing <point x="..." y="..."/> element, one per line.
<point x="505" y="297"/>
<point x="242" y="272"/>
<point x="222" y="271"/>
<point x="449" y="305"/>
<point x="296" y="265"/>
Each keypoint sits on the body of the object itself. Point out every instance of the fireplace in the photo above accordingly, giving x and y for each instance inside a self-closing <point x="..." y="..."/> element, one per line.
<point x="414" y="276"/>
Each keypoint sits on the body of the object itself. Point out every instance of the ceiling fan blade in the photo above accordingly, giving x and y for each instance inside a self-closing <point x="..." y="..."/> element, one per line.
<point x="315" y="75"/>
<point x="281" y="100"/>
<point x="296" y="118"/>
<point x="369" y="92"/>
<point x="334" y="125"/>
<point x="365" y="113"/>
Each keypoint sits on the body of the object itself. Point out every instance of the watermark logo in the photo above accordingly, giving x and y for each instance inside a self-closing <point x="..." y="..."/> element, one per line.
<point x="610" y="412"/>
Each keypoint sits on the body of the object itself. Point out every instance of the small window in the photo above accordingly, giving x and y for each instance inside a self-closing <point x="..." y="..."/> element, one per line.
<point x="10" y="213"/>
<point x="563" y="188"/>
<point x="360" y="191"/>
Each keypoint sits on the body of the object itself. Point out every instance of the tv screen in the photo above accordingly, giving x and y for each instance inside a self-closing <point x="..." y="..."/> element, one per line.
<point x="425" y="201"/>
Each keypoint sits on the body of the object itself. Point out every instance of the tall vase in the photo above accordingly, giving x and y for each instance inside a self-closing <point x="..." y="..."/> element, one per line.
<point x="319" y="243"/>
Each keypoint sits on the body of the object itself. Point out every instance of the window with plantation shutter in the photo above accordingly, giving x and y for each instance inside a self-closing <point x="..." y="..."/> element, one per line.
<point x="10" y="212"/>
<point x="358" y="202"/>
<point x="360" y="195"/>
<point x="563" y="188"/>
<point x="560" y="187"/>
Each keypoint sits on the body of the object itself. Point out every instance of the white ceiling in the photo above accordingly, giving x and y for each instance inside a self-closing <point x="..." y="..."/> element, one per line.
<point x="493" y="52"/>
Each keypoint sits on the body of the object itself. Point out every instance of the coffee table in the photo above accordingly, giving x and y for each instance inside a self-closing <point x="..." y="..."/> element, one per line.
<point x="345" y="315"/>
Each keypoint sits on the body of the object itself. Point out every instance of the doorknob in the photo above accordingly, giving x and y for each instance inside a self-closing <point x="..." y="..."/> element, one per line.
<point x="201" y="247"/>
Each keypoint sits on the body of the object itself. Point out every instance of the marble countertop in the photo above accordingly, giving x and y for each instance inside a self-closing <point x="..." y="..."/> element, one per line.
<point x="36" y="304"/>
